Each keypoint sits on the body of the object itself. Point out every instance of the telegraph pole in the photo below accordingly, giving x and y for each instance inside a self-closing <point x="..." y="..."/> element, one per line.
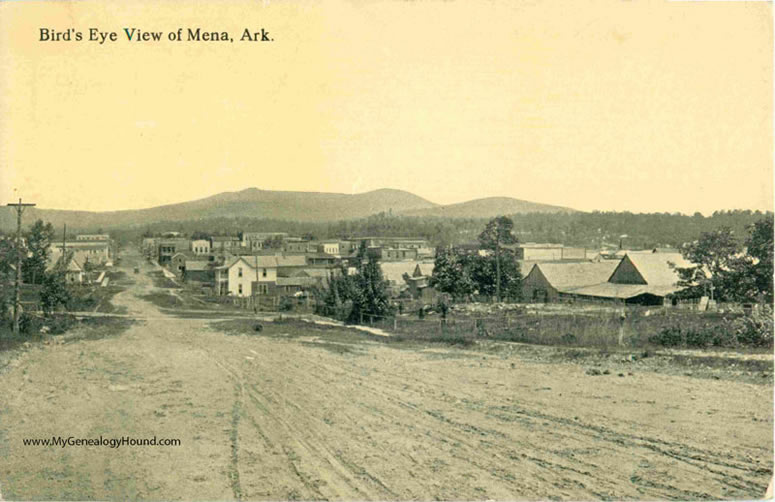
<point x="17" y="302"/>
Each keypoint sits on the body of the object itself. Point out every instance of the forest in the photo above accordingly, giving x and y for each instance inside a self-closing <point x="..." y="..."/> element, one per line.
<point x="593" y="229"/>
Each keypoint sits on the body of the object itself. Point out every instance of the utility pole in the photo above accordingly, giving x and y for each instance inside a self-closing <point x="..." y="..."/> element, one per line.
<point x="255" y="292"/>
<point x="498" y="264"/>
<point x="17" y="301"/>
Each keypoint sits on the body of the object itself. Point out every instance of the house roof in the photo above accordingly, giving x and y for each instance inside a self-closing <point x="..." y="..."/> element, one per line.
<point x="426" y="269"/>
<point x="253" y="261"/>
<point x="188" y="254"/>
<point x="298" y="281"/>
<point x="197" y="265"/>
<point x="292" y="272"/>
<point x="74" y="264"/>
<point x="83" y="244"/>
<point x="394" y="270"/>
<point x="567" y="275"/>
<point x="320" y="255"/>
<point x="321" y="272"/>
<point x="291" y="260"/>
<point x="655" y="267"/>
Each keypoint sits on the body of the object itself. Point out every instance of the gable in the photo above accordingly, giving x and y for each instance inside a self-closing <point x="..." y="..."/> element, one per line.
<point x="627" y="273"/>
<point x="567" y="275"/>
<point x="536" y="278"/>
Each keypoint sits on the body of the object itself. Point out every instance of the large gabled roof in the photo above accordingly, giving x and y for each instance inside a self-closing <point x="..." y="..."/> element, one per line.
<point x="568" y="275"/>
<point x="73" y="263"/>
<point x="655" y="268"/>
<point x="254" y="261"/>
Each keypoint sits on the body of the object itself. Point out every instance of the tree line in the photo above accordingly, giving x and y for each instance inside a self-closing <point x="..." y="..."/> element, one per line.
<point x="35" y="251"/>
<point x="593" y="230"/>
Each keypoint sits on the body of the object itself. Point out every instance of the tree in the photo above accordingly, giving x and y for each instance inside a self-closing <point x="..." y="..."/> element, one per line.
<point x="451" y="273"/>
<point x="722" y="270"/>
<point x="497" y="233"/>
<point x="39" y="239"/>
<point x="760" y="248"/>
<point x="372" y="296"/>
<point x="348" y="297"/>
<point x="54" y="291"/>
<point x="483" y="272"/>
<point x="7" y="259"/>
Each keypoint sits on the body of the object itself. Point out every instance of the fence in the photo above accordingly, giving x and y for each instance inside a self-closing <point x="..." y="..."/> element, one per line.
<point x="631" y="326"/>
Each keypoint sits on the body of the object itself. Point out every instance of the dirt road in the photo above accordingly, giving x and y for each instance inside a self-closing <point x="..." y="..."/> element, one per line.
<point x="298" y="418"/>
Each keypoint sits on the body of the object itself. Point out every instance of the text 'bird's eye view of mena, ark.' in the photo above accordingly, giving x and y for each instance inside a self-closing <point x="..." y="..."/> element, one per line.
<point x="386" y="251"/>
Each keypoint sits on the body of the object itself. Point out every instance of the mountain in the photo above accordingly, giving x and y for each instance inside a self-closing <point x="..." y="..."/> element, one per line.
<point x="252" y="202"/>
<point x="268" y="204"/>
<point x="487" y="208"/>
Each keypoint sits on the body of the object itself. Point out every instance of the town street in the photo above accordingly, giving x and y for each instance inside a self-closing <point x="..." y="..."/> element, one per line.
<point x="267" y="417"/>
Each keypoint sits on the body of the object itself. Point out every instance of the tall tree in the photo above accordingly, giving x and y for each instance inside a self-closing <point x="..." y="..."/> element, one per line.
<point x="54" y="292"/>
<point x="372" y="298"/>
<point x="349" y="297"/>
<point x="451" y="273"/>
<point x="483" y="272"/>
<point x="719" y="267"/>
<point x="759" y="245"/>
<point x="497" y="233"/>
<point x="39" y="238"/>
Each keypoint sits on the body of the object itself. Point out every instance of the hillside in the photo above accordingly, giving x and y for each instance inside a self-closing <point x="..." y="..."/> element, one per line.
<point x="252" y="202"/>
<point x="487" y="208"/>
<point x="310" y="207"/>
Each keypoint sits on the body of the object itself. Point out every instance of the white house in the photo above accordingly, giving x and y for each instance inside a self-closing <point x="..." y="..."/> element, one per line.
<point x="330" y="247"/>
<point x="238" y="277"/>
<point x="200" y="246"/>
<point x="73" y="270"/>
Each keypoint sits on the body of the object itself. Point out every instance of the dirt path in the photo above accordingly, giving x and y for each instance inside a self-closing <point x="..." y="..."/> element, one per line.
<point x="271" y="418"/>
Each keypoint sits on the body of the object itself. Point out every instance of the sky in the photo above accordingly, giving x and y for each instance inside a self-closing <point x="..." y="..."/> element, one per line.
<point x="643" y="106"/>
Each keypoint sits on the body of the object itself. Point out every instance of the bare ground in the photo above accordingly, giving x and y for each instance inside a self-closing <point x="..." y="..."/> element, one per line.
<point x="308" y="417"/>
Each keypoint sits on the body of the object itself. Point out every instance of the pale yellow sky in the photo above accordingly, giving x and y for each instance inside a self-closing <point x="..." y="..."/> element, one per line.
<point x="611" y="105"/>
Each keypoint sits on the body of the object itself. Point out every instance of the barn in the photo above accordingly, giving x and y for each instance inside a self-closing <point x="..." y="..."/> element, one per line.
<point x="645" y="278"/>
<point x="548" y="280"/>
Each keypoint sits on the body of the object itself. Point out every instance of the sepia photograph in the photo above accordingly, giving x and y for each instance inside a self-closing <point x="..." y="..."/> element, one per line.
<point x="386" y="250"/>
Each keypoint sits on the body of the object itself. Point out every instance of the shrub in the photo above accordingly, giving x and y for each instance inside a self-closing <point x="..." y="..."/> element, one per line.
<point x="29" y="323"/>
<point x="698" y="338"/>
<point x="285" y="305"/>
<point x="59" y="324"/>
<point x="755" y="330"/>
<point x="668" y="337"/>
<point x="569" y="338"/>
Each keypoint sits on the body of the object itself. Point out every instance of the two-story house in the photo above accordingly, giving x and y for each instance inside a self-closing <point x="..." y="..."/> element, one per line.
<point x="244" y="275"/>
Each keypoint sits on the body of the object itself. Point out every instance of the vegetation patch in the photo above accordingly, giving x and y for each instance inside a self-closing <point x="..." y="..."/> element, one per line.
<point x="164" y="300"/>
<point x="84" y="298"/>
<point x="755" y="330"/>
<point x="64" y="327"/>
<point x="161" y="281"/>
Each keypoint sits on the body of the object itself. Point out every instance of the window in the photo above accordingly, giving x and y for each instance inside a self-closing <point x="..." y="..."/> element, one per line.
<point x="263" y="272"/>
<point x="239" y="274"/>
<point x="239" y="289"/>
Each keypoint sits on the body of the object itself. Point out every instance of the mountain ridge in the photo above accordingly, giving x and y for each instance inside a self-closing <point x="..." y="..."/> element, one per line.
<point x="281" y="205"/>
